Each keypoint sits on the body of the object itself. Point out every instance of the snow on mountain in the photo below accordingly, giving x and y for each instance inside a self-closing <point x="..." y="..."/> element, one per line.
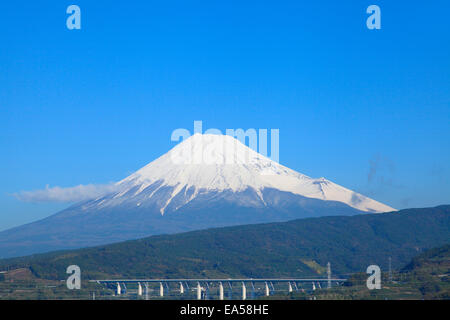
<point x="206" y="181"/>
<point x="218" y="163"/>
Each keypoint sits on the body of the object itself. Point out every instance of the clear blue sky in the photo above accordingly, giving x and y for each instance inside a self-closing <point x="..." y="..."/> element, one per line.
<point x="367" y="109"/>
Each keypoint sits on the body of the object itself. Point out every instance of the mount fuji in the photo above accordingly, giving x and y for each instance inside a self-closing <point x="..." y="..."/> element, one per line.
<point x="205" y="181"/>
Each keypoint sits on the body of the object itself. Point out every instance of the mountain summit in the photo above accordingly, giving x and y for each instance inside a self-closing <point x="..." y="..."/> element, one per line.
<point x="218" y="163"/>
<point x="205" y="181"/>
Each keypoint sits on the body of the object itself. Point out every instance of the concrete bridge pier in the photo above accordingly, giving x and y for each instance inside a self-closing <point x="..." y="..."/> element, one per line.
<point x="199" y="291"/>
<point x="244" y="291"/>
<point x="139" y="290"/>
<point x="230" y="291"/>
<point x="253" y="291"/>
<point x="146" y="290"/>
<point x="220" y="291"/>
<point x="161" y="290"/>
<point x="266" y="290"/>
<point x="118" y="290"/>
<point x="181" y="288"/>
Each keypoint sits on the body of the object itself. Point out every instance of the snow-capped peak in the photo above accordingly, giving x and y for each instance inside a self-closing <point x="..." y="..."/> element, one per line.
<point x="221" y="162"/>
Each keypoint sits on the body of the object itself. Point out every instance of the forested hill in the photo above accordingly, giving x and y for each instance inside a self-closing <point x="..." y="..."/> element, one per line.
<point x="295" y="248"/>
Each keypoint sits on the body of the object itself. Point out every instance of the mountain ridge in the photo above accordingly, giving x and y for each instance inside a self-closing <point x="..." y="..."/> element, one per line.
<point x="350" y="243"/>
<point x="203" y="182"/>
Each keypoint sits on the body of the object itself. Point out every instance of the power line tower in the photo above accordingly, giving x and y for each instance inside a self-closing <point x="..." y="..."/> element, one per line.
<point x="329" y="274"/>
<point x="390" y="269"/>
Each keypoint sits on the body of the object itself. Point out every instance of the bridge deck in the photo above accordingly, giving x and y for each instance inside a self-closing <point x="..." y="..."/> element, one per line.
<point x="218" y="280"/>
